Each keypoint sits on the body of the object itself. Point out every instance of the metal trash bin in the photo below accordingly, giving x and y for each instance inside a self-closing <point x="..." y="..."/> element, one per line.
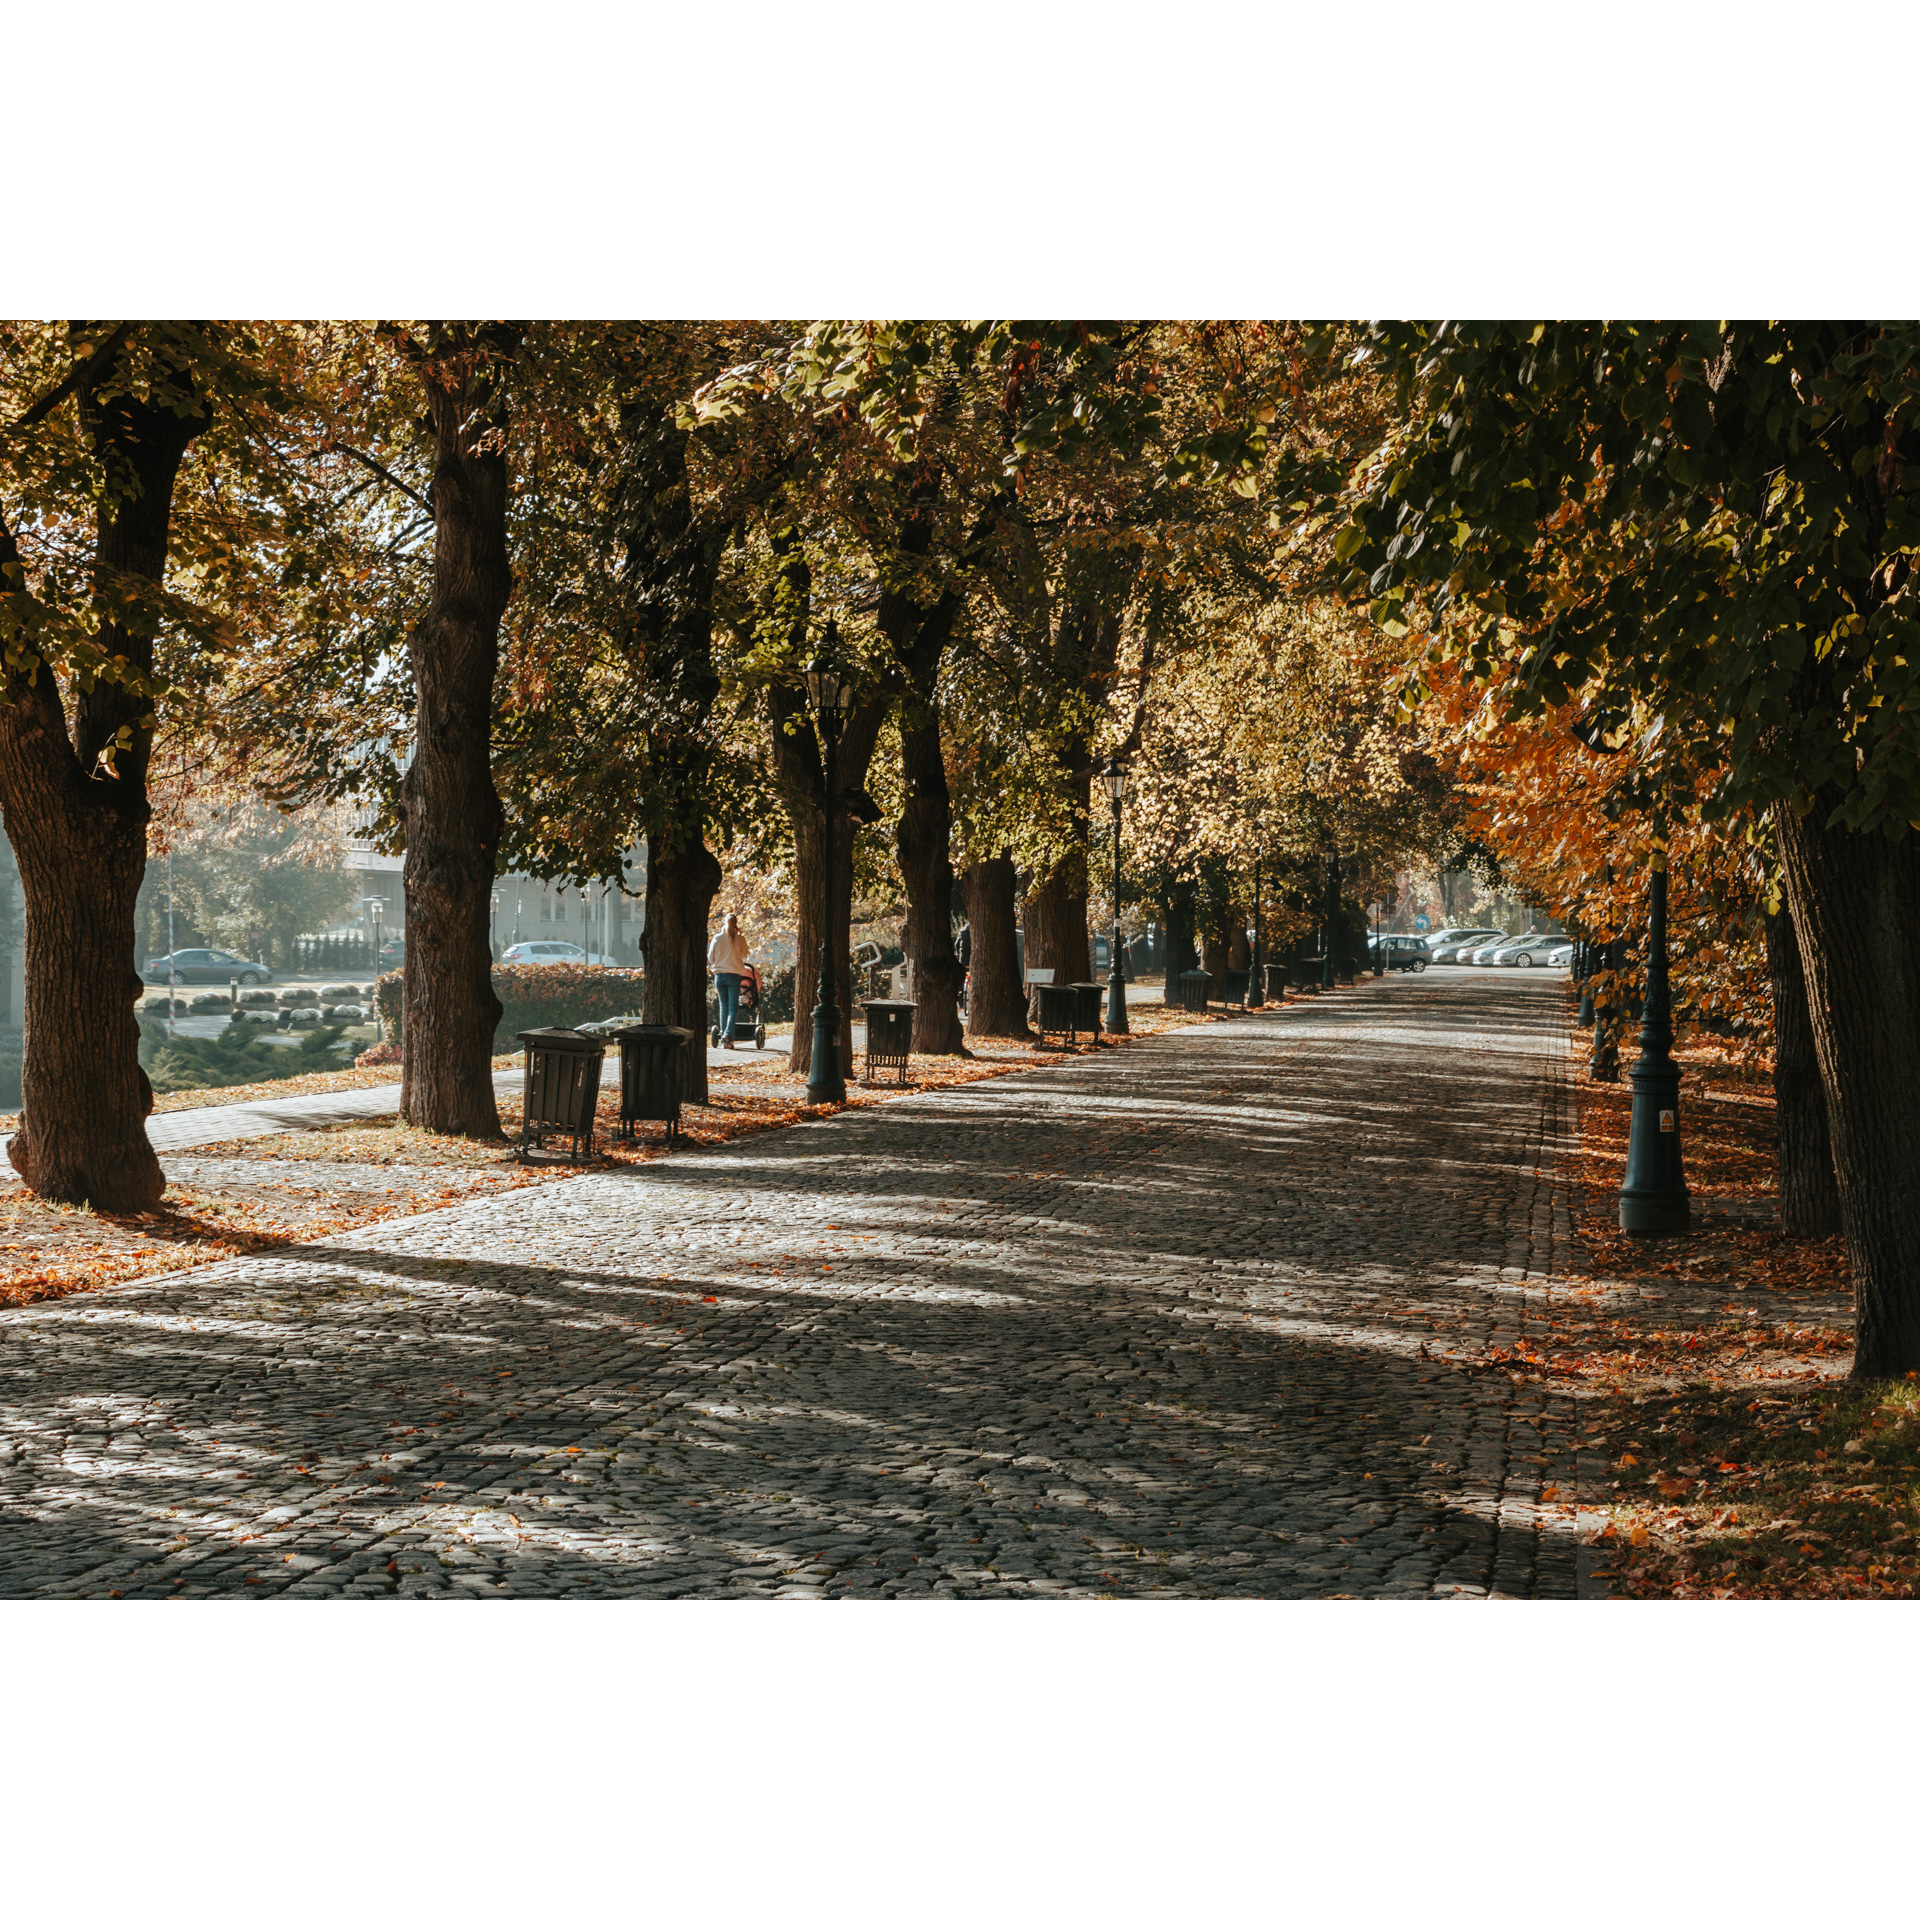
<point x="1278" y="976"/>
<point x="1194" y="987"/>
<point x="889" y="1037"/>
<point x="1235" y="993"/>
<point x="1059" y="1012"/>
<point x="560" y="1087"/>
<point x="1090" y="1007"/>
<point x="653" y="1071"/>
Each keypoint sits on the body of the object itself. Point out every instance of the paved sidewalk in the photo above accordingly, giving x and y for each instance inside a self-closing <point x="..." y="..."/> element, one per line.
<point x="1151" y="1322"/>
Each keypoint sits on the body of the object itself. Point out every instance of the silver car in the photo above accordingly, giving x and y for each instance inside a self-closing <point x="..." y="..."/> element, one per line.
<point x="1525" y="950"/>
<point x="1489" y="954"/>
<point x="1460" y="949"/>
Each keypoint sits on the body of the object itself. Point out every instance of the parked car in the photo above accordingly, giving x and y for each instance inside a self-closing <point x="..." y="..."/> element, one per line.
<point x="1488" y="955"/>
<point x="553" y="953"/>
<point x="1456" y="950"/>
<point x="1524" y="950"/>
<point x="1447" y="936"/>
<point x="1559" y="952"/>
<point x="394" y="952"/>
<point x="1406" y="952"/>
<point x="196" y="966"/>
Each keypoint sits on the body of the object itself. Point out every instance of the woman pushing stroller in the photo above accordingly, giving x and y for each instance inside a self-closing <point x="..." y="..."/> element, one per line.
<point x="727" y="957"/>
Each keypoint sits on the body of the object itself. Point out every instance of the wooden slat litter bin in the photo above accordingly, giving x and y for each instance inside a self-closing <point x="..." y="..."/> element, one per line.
<point x="1059" y="1012"/>
<point x="889" y="1037"/>
<point x="560" y="1088"/>
<point x="653" y="1070"/>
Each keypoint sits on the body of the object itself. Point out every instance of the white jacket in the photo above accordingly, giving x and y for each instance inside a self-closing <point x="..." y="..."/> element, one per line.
<point x="728" y="953"/>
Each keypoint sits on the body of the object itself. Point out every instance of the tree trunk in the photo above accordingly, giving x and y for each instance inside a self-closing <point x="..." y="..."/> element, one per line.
<point x="1809" y="1194"/>
<point x="1214" y="959"/>
<point x="80" y="837"/>
<point x="923" y="836"/>
<point x="801" y="781"/>
<point x="447" y="797"/>
<point x="918" y="633"/>
<point x="1851" y="896"/>
<point x="996" y="997"/>
<point x="672" y="562"/>
<point x="1056" y="922"/>
<point x="1179" y="905"/>
<point x="681" y="882"/>
<point x="809" y="852"/>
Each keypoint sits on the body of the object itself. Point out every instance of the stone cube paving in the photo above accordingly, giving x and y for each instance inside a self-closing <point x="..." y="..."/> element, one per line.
<point x="1160" y="1321"/>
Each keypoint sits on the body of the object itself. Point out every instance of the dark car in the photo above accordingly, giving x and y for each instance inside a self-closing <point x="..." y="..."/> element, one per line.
<point x="1406" y="952"/>
<point x="394" y="953"/>
<point x="205" y="966"/>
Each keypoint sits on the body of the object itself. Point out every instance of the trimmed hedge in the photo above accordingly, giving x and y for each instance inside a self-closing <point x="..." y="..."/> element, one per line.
<point x="541" y="997"/>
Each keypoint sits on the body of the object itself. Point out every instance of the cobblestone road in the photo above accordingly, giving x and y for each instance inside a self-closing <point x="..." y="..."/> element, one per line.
<point x="1155" y="1322"/>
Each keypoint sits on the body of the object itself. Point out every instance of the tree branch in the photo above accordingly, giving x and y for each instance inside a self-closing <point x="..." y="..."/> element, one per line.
<point x="81" y="376"/>
<point x="393" y="480"/>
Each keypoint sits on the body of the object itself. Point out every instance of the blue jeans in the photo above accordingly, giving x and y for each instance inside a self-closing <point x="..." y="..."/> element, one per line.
<point x="728" y="986"/>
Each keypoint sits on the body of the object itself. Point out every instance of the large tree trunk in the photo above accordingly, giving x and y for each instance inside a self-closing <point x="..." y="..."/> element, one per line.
<point x="1809" y="1194"/>
<point x="672" y="562"/>
<point x="918" y="632"/>
<point x="809" y="858"/>
<point x="1055" y="919"/>
<point x="923" y="837"/>
<point x="447" y="798"/>
<point x="1852" y="901"/>
<point x="84" y="1099"/>
<point x="80" y="836"/>
<point x="1180" y="909"/>
<point x="799" y="776"/>
<point x="996" y="997"/>
<point x="681" y="882"/>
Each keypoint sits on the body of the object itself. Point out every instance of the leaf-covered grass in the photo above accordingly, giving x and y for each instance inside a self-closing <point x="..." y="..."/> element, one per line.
<point x="1740" y="1462"/>
<point x="1810" y="1495"/>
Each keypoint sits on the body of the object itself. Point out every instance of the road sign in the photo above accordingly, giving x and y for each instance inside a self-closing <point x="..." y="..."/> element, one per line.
<point x="1421" y="922"/>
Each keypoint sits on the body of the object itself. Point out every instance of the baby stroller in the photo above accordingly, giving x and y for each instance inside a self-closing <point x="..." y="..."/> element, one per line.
<point x="748" y="1018"/>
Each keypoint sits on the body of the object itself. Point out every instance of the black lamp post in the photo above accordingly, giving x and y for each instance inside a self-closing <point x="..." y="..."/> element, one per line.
<point x="1653" y="1196"/>
<point x="1255" y="995"/>
<point x="1115" y="778"/>
<point x="830" y="696"/>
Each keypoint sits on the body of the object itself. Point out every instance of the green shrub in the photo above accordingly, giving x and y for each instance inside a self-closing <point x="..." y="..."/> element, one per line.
<point x="299" y="997"/>
<point x="541" y="997"/>
<point x="234" y="1059"/>
<point x="776" y="996"/>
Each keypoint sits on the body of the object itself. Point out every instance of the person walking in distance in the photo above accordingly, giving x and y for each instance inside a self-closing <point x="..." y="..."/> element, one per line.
<point x="727" y="957"/>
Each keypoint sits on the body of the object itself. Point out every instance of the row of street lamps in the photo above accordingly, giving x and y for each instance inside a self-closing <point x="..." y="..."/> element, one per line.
<point x="1653" y="1197"/>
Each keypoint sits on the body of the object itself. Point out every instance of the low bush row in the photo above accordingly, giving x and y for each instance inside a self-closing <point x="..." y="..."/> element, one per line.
<point x="236" y="1059"/>
<point x="541" y="997"/>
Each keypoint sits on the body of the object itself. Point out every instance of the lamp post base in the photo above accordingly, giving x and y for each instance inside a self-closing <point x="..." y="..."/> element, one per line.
<point x="1644" y="1216"/>
<point x="1653" y="1196"/>
<point x="1116" y="1001"/>
<point x="826" y="1082"/>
